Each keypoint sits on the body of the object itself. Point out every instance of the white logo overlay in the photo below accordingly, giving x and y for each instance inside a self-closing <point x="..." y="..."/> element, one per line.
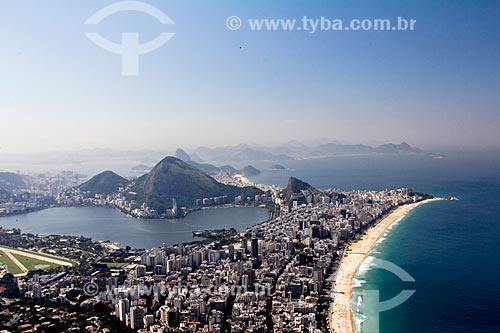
<point x="130" y="49"/>
<point x="371" y="298"/>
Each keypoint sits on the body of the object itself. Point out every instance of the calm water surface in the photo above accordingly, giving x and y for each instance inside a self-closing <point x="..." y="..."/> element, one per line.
<point x="110" y="224"/>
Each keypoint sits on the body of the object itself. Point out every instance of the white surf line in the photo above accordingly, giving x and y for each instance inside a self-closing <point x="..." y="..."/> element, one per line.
<point x="341" y="312"/>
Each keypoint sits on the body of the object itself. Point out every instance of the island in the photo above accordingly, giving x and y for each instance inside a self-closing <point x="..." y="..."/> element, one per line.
<point x="277" y="167"/>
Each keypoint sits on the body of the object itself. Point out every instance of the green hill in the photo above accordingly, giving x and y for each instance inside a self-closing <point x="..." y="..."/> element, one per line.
<point x="172" y="178"/>
<point x="11" y="180"/>
<point x="106" y="182"/>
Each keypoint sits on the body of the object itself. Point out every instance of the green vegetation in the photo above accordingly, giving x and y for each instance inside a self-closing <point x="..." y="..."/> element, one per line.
<point x="41" y="254"/>
<point x="8" y="287"/>
<point x="215" y="234"/>
<point x="32" y="264"/>
<point x="205" y="167"/>
<point x="11" y="179"/>
<point x="5" y="260"/>
<point x="424" y="196"/>
<point x="114" y="264"/>
<point x="175" y="179"/>
<point x="106" y="182"/>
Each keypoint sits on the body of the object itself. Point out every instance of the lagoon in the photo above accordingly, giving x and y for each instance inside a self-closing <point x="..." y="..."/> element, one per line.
<point x="109" y="224"/>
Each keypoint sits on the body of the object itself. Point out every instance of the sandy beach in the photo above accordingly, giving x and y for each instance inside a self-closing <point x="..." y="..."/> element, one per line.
<point x="341" y="317"/>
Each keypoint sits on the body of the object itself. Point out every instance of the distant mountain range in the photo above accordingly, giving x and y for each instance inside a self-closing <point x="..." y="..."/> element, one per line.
<point x="238" y="153"/>
<point x="211" y="169"/>
<point x="206" y="157"/>
<point x="296" y="150"/>
<point x="205" y="167"/>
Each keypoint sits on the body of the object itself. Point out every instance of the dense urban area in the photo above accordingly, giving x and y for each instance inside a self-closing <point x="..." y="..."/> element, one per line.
<point x="273" y="277"/>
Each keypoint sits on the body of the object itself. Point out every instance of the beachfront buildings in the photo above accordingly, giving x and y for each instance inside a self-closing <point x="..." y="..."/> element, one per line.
<point x="271" y="277"/>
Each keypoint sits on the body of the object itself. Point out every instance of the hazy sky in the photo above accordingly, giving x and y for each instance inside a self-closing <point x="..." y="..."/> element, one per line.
<point x="436" y="86"/>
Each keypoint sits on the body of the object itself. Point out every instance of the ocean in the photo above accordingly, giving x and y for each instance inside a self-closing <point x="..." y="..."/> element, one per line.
<point x="450" y="248"/>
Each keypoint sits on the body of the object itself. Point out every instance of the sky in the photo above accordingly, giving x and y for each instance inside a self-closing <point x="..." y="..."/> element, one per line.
<point x="436" y="86"/>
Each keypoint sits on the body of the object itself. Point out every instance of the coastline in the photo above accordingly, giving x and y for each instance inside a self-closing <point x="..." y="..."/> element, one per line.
<point x="341" y="318"/>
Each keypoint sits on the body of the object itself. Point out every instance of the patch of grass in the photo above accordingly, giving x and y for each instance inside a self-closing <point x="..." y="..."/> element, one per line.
<point x="35" y="264"/>
<point x="41" y="254"/>
<point x="5" y="260"/>
<point x="113" y="264"/>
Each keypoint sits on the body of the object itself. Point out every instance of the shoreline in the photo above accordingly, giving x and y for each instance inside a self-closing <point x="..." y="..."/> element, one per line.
<point x="341" y="319"/>
<point x="192" y="241"/>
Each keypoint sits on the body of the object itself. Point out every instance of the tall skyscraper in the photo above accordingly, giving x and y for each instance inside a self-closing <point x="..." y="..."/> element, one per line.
<point x="255" y="247"/>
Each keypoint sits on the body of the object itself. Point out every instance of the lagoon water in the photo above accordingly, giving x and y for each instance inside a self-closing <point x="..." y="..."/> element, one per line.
<point x="110" y="224"/>
<point x="451" y="248"/>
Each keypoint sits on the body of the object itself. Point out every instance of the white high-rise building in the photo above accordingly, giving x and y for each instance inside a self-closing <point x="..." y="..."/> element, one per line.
<point x="123" y="309"/>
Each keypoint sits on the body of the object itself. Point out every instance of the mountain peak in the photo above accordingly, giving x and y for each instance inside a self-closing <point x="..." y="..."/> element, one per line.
<point x="294" y="190"/>
<point x="182" y="155"/>
<point x="296" y="185"/>
<point x="173" y="178"/>
<point x="169" y="160"/>
<point x="250" y="171"/>
<point x="106" y="182"/>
